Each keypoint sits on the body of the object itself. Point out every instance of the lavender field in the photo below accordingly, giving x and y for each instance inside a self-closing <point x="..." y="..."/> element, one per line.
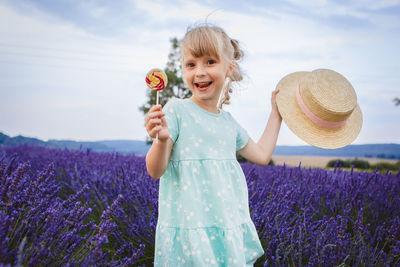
<point x="80" y="208"/>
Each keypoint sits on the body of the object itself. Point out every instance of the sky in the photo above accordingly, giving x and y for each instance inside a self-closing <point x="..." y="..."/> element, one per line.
<point x="75" y="69"/>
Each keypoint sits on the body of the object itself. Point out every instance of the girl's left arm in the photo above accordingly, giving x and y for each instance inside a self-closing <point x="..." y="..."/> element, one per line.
<point x="261" y="152"/>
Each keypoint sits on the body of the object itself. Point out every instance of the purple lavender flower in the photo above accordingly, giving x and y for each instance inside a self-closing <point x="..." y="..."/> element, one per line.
<point x="59" y="201"/>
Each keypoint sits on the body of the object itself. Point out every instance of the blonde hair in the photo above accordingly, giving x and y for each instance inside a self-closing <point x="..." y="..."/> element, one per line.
<point x="210" y="40"/>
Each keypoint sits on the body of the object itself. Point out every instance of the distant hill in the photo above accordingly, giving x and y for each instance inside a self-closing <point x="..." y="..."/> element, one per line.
<point x="127" y="146"/>
<point x="120" y="146"/>
<point x="389" y="151"/>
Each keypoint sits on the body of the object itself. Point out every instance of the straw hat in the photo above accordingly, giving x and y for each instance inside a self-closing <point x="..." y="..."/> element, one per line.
<point x="320" y="107"/>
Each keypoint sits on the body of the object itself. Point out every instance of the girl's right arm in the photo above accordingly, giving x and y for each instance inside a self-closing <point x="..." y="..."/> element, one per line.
<point x="158" y="155"/>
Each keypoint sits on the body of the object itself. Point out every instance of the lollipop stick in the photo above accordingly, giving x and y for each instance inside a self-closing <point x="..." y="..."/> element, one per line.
<point x="157" y="104"/>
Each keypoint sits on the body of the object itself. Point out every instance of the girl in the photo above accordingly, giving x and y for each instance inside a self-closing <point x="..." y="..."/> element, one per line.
<point x="204" y="217"/>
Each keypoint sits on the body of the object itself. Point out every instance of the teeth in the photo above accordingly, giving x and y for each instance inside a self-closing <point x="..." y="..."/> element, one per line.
<point x="203" y="84"/>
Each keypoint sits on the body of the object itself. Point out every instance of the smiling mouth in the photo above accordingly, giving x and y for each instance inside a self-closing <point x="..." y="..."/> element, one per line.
<point x="203" y="85"/>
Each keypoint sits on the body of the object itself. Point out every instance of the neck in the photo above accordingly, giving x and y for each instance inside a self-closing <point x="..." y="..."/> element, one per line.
<point x="209" y="105"/>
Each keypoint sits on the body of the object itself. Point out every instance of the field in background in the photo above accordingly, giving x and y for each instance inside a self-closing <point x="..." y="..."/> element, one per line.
<point x="319" y="161"/>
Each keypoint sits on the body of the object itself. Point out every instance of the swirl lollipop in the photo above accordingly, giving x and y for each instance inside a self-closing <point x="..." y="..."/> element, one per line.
<point x="156" y="79"/>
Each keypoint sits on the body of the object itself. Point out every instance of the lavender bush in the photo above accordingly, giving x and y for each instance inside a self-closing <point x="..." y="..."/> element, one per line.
<point x="69" y="208"/>
<point x="314" y="217"/>
<point x="60" y="207"/>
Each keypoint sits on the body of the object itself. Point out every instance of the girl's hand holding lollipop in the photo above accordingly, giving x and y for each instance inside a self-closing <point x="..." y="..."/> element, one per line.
<point x="156" y="79"/>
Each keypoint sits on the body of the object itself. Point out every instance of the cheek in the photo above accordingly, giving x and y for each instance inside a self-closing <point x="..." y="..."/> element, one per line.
<point x="186" y="76"/>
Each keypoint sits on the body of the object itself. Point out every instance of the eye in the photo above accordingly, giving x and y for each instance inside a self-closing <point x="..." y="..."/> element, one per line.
<point x="211" y="61"/>
<point x="189" y="65"/>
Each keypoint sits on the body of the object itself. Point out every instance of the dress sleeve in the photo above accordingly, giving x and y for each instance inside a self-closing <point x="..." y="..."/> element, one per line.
<point x="242" y="136"/>
<point x="171" y="116"/>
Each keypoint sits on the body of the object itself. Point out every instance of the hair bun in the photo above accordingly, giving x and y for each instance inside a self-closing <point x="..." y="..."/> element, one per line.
<point x="237" y="52"/>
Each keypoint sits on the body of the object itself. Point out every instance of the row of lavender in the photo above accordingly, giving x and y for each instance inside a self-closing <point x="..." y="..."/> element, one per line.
<point x="60" y="207"/>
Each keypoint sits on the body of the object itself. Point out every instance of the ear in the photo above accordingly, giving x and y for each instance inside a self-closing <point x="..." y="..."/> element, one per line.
<point x="230" y="69"/>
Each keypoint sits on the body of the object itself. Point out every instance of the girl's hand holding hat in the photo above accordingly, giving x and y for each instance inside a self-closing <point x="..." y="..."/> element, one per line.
<point x="274" y="106"/>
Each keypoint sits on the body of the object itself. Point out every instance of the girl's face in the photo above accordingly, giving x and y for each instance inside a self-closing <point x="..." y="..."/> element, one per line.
<point x="205" y="76"/>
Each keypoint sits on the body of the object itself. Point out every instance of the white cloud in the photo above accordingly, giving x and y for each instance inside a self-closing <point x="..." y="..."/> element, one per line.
<point x="68" y="82"/>
<point x="164" y="11"/>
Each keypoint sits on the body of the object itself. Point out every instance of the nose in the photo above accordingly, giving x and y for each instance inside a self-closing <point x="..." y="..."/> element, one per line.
<point x="200" y="71"/>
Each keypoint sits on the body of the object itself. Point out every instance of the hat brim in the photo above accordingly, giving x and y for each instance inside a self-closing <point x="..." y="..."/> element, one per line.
<point x="306" y="129"/>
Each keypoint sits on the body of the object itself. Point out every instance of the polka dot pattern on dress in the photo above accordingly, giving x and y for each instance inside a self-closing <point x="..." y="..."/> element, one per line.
<point x="204" y="218"/>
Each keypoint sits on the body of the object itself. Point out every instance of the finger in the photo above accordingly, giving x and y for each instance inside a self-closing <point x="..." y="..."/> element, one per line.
<point x="153" y="115"/>
<point x="154" y="122"/>
<point x="163" y="121"/>
<point x="150" y="129"/>
<point x="153" y="132"/>
<point x="149" y="125"/>
<point x="156" y="108"/>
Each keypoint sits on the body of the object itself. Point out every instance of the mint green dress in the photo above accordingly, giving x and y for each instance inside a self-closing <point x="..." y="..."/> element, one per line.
<point x="204" y="217"/>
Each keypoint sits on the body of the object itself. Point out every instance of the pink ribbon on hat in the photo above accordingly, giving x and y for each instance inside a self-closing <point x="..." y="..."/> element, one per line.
<point x="317" y="120"/>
